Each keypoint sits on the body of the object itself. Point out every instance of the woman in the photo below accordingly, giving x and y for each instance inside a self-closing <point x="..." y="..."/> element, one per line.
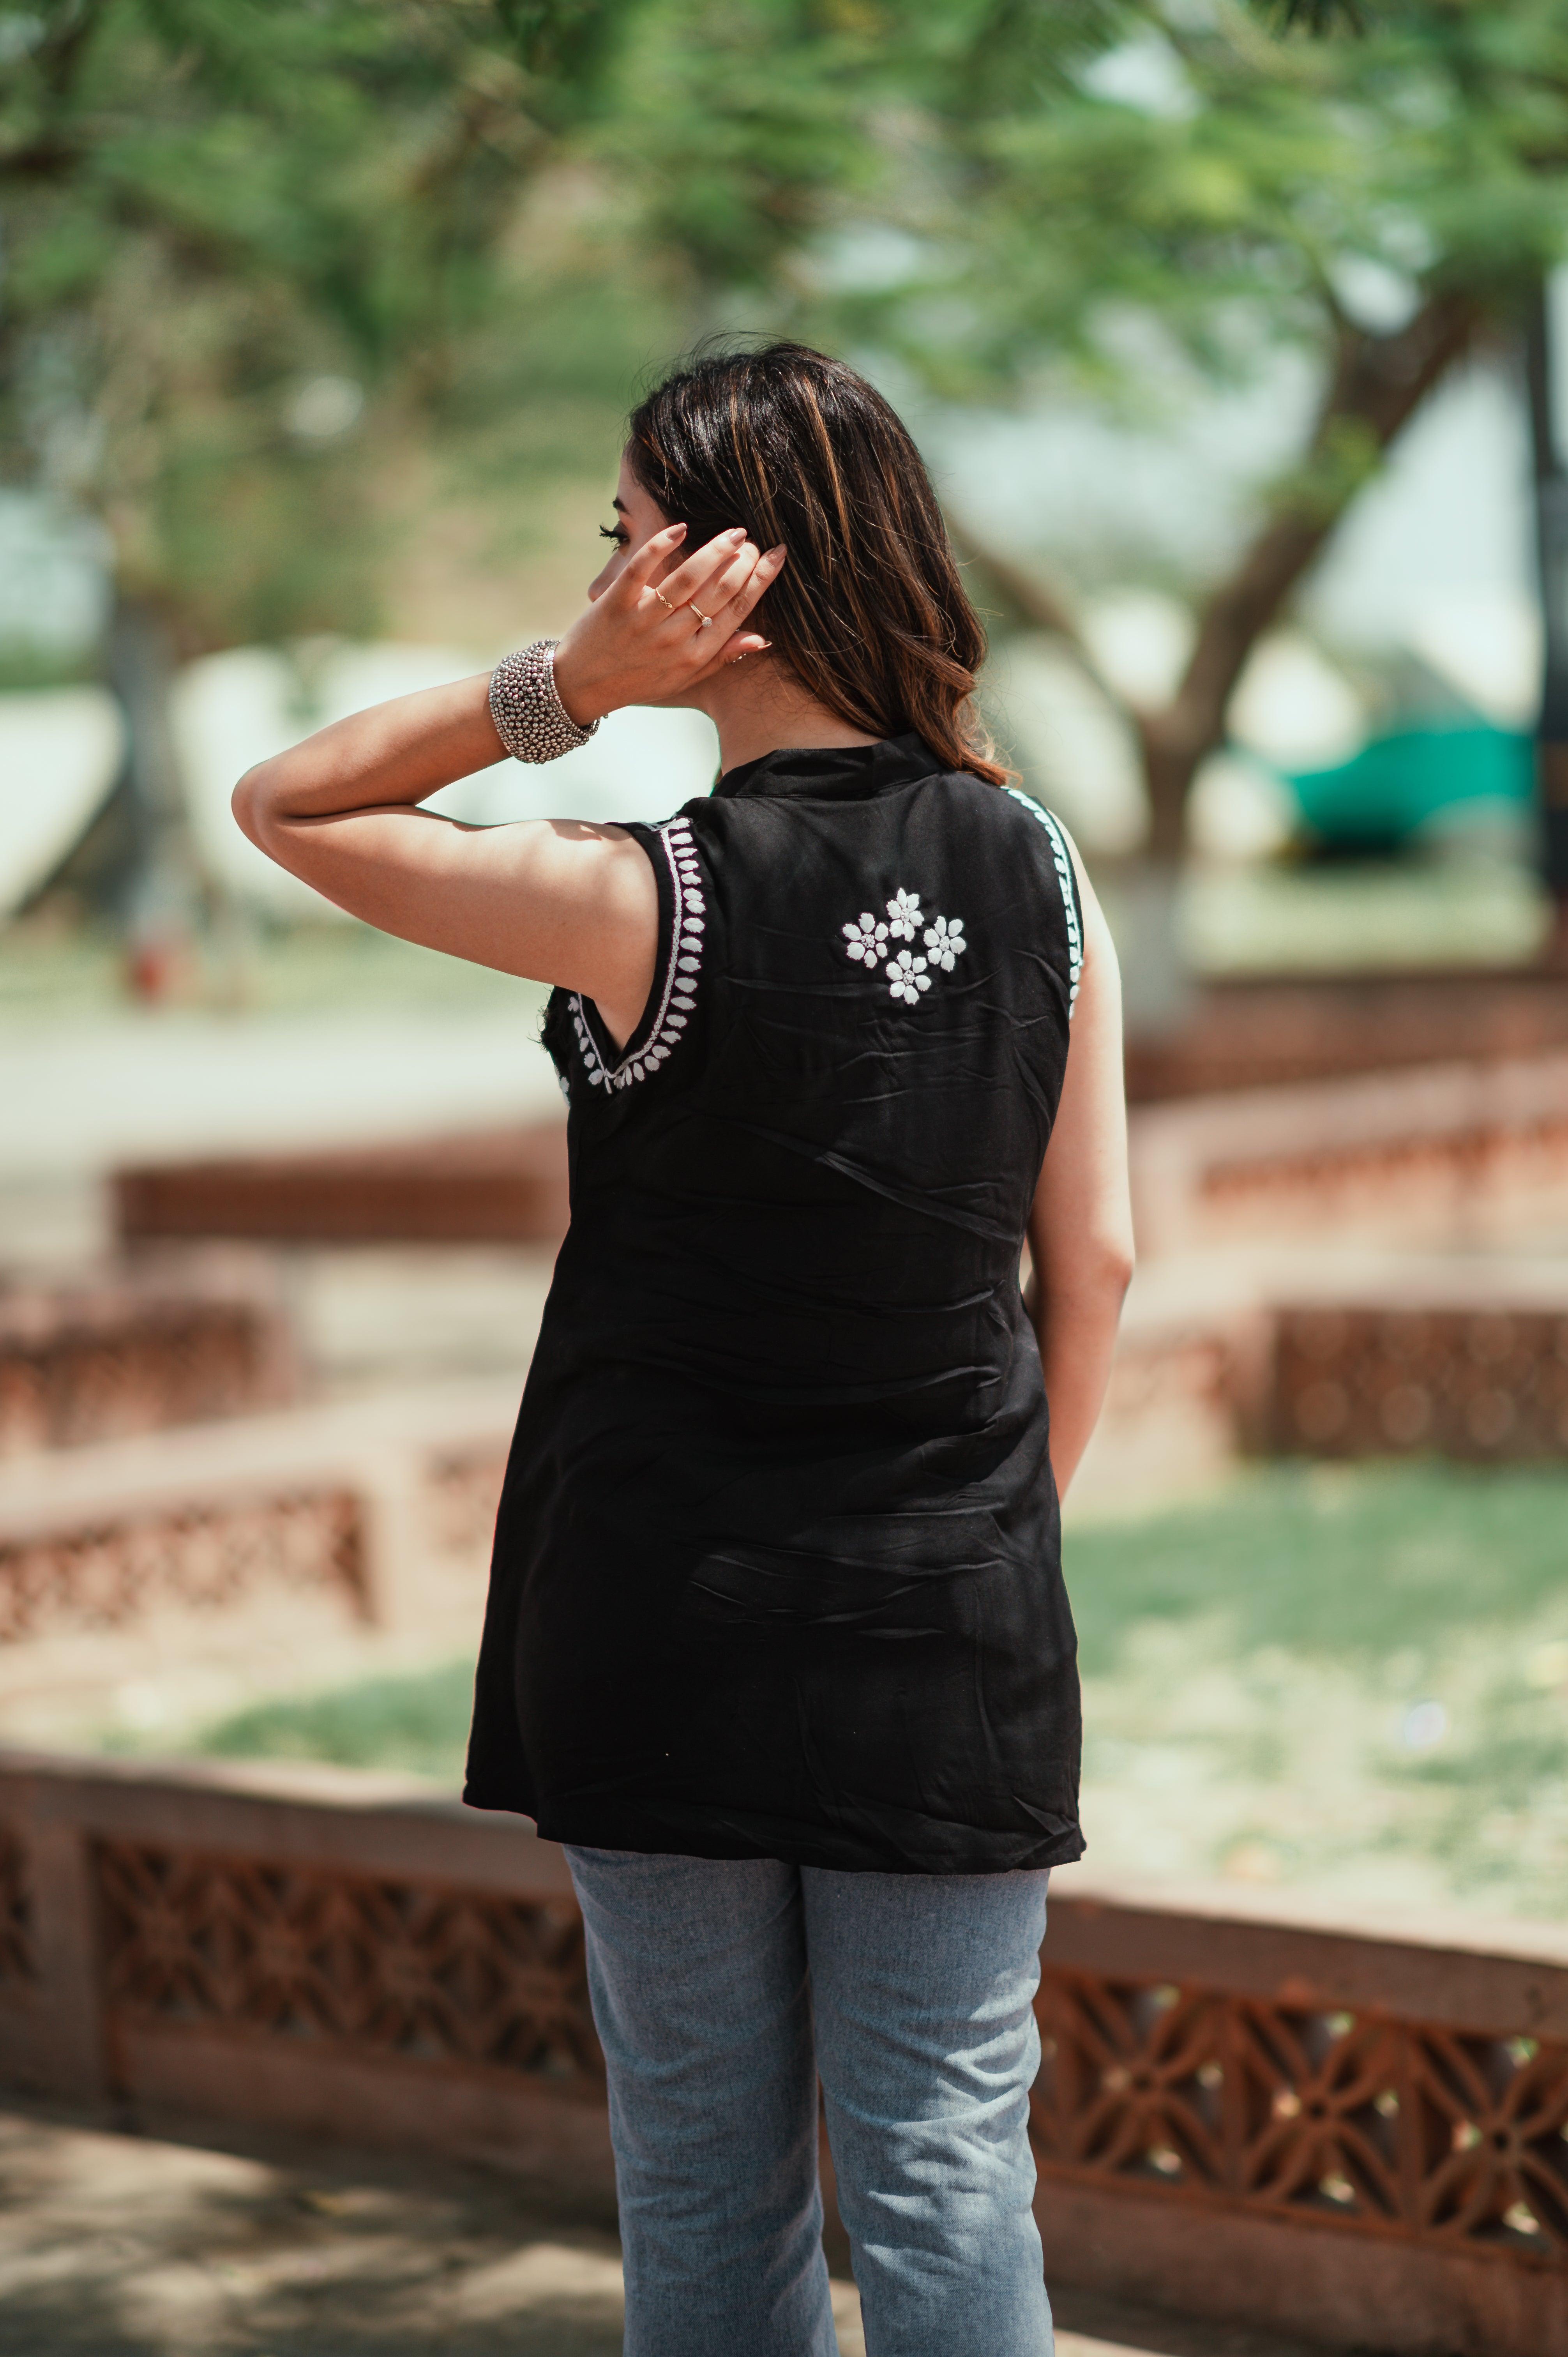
<point x="777" y="1643"/>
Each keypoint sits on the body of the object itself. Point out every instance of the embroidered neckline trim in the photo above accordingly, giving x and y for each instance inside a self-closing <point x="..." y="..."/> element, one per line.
<point x="1070" y="897"/>
<point x="678" y="993"/>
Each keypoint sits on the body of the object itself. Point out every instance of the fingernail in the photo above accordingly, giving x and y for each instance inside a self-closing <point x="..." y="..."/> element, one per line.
<point x="736" y="531"/>
<point x="678" y="530"/>
<point x="779" y="551"/>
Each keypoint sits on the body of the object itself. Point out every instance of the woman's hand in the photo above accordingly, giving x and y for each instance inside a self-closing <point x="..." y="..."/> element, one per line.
<point x="660" y="626"/>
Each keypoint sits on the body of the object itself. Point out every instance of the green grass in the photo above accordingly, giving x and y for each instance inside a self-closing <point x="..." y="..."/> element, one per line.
<point x="1260" y="1671"/>
<point x="1348" y="1562"/>
<point x="1351" y="1678"/>
<point x="418" y="1724"/>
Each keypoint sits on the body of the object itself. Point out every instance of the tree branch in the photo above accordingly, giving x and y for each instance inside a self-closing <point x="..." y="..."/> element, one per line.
<point x="1377" y="382"/>
<point x="59" y="54"/>
<point x="1033" y="603"/>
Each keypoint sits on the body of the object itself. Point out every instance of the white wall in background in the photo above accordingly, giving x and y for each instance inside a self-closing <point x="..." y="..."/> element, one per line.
<point x="59" y="755"/>
<point x="54" y="584"/>
<point x="1294" y="708"/>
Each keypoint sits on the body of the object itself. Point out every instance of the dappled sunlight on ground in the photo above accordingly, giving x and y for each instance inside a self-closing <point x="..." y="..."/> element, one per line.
<point x="122" y="2237"/>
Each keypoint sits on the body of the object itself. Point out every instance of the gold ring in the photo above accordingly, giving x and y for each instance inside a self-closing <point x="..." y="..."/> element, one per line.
<point x="706" y="619"/>
<point x="663" y="600"/>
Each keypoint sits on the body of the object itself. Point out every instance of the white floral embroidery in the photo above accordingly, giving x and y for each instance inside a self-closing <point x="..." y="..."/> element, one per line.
<point x="867" y="939"/>
<point x="679" y="986"/>
<point x="945" y="941"/>
<point x="904" y="914"/>
<point x="907" y="977"/>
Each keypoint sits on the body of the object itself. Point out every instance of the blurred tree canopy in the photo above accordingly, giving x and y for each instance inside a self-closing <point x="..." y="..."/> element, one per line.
<point x="245" y="241"/>
<point x="230" y="223"/>
<point x="1378" y="189"/>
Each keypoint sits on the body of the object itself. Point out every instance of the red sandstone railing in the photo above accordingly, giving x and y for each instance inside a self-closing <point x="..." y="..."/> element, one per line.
<point x="1450" y="1153"/>
<point x="355" y="1497"/>
<point x="1358" y="2130"/>
<point x="358" y="1498"/>
<point x="105" y="1358"/>
<point x="493" y="1187"/>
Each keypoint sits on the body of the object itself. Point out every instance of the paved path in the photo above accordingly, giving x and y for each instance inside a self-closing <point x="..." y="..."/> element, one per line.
<point x="122" y="2244"/>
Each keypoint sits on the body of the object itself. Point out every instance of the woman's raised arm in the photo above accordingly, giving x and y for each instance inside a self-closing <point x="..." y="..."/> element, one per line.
<point x="556" y="899"/>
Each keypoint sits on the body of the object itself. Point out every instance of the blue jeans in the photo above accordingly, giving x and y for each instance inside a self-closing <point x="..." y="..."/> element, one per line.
<point x="721" y="1989"/>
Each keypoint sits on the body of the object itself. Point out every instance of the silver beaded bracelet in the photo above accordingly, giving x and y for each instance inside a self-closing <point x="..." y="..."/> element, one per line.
<point x="530" y="719"/>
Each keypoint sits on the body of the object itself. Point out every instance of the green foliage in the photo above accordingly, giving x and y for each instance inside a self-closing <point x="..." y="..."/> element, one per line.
<point x="247" y="243"/>
<point x="1117" y="190"/>
<point x="732" y="124"/>
<point x="1231" y="181"/>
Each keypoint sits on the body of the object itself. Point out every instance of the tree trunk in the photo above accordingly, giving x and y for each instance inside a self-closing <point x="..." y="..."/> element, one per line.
<point x="158" y="893"/>
<point x="1376" y="385"/>
<point x="1552" y="557"/>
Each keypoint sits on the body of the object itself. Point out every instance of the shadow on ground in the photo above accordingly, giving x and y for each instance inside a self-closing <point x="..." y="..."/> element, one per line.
<point x="125" y="2235"/>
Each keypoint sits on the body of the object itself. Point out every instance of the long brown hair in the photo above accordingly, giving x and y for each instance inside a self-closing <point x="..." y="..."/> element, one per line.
<point x="870" y="613"/>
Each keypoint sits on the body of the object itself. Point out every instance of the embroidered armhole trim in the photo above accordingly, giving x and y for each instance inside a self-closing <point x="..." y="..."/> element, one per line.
<point x="678" y="993"/>
<point x="1063" y="858"/>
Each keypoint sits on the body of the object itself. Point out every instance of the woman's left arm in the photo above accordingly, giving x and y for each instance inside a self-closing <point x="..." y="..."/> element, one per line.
<point x="1081" y="1224"/>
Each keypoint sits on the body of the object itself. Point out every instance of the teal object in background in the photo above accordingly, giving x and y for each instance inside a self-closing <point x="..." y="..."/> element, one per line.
<point x="1387" y="790"/>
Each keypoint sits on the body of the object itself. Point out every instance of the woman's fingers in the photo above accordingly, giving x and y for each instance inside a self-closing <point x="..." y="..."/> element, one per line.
<point x="717" y="596"/>
<point x="743" y="643"/>
<point x="726" y="642"/>
<point x="655" y="551"/>
<point x="688" y="627"/>
<point x="766" y="569"/>
<point x="744" y="592"/>
<point x="696" y="574"/>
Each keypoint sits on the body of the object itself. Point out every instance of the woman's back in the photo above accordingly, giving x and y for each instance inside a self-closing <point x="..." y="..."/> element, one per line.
<point x="776" y="1570"/>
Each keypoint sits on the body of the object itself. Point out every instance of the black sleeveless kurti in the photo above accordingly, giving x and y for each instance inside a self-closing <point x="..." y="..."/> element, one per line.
<point x="776" y="1568"/>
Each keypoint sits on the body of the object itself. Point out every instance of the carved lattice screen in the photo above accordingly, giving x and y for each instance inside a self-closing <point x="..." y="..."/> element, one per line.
<point x="1369" y="2121"/>
<point x="303" y="1952"/>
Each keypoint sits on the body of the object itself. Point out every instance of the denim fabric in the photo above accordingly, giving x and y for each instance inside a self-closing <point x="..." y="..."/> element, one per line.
<point x="721" y="1988"/>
